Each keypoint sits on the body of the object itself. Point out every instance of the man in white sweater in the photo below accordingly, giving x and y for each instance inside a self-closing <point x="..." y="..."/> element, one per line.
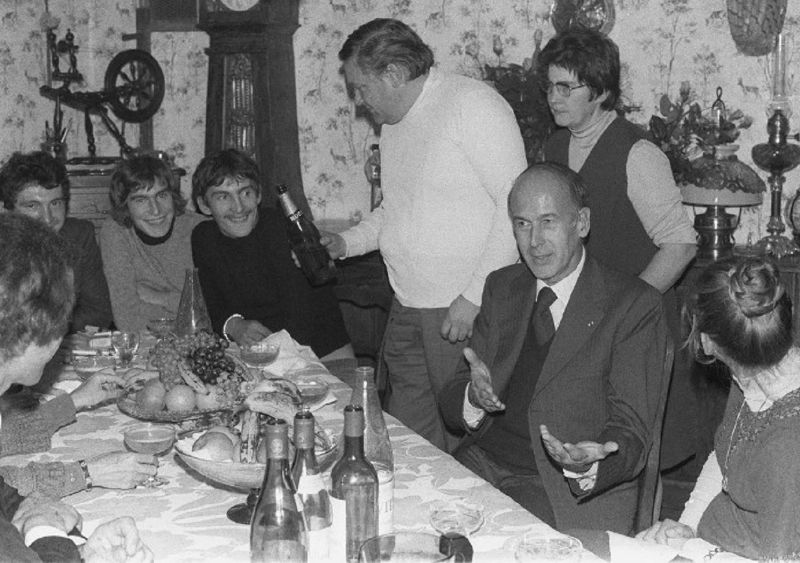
<point x="450" y="151"/>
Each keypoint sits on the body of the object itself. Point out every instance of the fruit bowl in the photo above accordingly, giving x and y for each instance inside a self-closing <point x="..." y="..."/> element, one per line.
<point x="127" y="404"/>
<point x="246" y="476"/>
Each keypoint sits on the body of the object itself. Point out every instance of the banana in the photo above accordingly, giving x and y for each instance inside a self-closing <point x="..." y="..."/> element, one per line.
<point x="273" y="403"/>
<point x="279" y="385"/>
<point x="249" y="437"/>
<point x="191" y="379"/>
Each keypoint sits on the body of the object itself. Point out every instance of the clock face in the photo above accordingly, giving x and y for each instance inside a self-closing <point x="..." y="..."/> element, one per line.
<point x="239" y="5"/>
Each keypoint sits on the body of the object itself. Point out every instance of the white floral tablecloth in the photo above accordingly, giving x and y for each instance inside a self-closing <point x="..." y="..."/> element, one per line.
<point x="185" y="520"/>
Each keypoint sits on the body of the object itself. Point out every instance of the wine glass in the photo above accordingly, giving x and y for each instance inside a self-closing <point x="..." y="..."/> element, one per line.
<point x="125" y="345"/>
<point x="260" y="354"/>
<point x="153" y="439"/>
<point x="456" y="517"/>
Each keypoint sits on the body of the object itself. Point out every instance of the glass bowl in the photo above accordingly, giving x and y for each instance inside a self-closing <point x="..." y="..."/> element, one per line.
<point x="260" y="354"/>
<point x="457" y="516"/>
<point x="149" y="438"/>
<point x="552" y="547"/>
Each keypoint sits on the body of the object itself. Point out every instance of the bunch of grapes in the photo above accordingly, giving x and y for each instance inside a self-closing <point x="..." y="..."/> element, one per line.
<point x="203" y="352"/>
<point x="210" y="362"/>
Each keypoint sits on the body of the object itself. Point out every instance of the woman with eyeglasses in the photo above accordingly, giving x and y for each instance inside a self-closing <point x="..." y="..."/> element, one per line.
<point x="745" y="500"/>
<point x="639" y="225"/>
<point x="147" y="246"/>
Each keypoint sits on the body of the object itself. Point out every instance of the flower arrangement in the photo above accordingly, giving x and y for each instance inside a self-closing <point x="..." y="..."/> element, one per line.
<point x="692" y="139"/>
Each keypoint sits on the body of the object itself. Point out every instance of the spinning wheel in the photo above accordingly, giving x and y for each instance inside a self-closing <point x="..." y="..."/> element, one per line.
<point x="133" y="90"/>
<point x="135" y="85"/>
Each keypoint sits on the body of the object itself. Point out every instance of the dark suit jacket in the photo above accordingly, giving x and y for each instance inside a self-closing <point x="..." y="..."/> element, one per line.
<point x="602" y="380"/>
<point x="92" y="303"/>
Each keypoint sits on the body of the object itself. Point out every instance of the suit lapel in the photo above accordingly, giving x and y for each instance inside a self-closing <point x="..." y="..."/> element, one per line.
<point x="586" y="308"/>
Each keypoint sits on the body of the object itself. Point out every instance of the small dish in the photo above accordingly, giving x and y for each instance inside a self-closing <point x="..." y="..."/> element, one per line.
<point x="259" y="354"/>
<point x="456" y="516"/>
<point x="312" y="388"/>
<point x="547" y="546"/>
<point x="148" y="438"/>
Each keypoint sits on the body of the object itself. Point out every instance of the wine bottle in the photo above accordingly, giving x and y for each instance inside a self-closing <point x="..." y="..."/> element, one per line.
<point x="377" y="447"/>
<point x="310" y="486"/>
<point x="354" y="492"/>
<point x="278" y="528"/>
<point x="374" y="167"/>
<point x="304" y="239"/>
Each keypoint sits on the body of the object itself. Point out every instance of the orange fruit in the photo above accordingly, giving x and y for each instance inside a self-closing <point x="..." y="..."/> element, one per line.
<point x="180" y="398"/>
<point x="150" y="398"/>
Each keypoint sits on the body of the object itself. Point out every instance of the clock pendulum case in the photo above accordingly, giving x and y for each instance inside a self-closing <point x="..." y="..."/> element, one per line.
<point x="252" y="104"/>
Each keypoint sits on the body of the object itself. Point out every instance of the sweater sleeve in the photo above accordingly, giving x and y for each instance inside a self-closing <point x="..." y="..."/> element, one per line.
<point x="30" y="430"/>
<point x="53" y="479"/>
<point x="490" y="137"/>
<point x="655" y="197"/>
<point x="708" y="486"/>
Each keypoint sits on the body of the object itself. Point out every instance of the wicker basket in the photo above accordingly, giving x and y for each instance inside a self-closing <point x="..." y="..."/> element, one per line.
<point x="755" y="24"/>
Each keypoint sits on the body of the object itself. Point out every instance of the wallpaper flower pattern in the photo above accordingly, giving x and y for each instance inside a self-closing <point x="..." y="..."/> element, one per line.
<point x="662" y="43"/>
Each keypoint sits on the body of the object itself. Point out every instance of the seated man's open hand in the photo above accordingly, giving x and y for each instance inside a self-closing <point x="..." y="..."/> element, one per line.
<point x="481" y="394"/>
<point x="116" y="540"/>
<point x="575" y="457"/>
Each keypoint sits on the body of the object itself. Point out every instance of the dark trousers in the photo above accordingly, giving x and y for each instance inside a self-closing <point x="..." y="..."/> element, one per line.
<point x="527" y="490"/>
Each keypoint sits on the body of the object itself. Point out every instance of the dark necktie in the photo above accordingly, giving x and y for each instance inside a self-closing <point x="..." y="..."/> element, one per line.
<point x="543" y="326"/>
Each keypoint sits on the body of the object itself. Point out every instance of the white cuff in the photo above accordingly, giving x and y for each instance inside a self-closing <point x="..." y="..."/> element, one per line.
<point x="472" y="415"/>
<point x="587" y="479"/>
<point x="225" y="325"/>
<point x="39" y="532"/>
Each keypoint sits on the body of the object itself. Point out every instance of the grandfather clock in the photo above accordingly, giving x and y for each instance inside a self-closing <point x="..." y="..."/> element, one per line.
<point x="251" y="103"/>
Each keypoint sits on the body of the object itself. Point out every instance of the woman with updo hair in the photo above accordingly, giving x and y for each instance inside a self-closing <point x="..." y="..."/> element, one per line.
<point x="747" y="498"/>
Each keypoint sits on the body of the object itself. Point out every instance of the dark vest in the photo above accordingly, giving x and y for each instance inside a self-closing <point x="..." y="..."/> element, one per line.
<point x="617" y="237"/>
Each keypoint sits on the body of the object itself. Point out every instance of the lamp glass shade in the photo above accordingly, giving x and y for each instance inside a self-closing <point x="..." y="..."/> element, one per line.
<point x="696" y="195"/>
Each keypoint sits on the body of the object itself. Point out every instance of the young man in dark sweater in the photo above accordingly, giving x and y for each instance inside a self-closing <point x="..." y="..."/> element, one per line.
<point x="251" y="285"/>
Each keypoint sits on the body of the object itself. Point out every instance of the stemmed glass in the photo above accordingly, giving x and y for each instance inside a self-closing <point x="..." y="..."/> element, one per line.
<point x="456" y="517"/>
<point x="153" y="439"/>
<point x="125" y="345"/>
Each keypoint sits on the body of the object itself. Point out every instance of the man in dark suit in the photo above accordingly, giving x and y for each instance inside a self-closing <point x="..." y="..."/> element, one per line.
<point x="560" y="388"/>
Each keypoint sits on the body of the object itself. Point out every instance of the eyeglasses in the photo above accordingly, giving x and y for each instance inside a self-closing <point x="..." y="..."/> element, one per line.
<point x="563" y="88"/>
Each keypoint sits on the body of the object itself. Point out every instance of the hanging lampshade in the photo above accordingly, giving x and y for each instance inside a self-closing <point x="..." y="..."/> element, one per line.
<point x="755" y="24"/>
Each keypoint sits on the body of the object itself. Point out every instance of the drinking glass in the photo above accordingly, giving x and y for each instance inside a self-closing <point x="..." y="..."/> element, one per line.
<point x="456" y="516"/>
<point x="260" y="354"/>
<point x="125" y="345"/>
<point x="153" y="439"/>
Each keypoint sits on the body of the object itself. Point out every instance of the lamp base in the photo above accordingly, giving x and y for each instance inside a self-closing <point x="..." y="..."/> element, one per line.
<point x="777" y="246"/>
<point x="715" y="233"/>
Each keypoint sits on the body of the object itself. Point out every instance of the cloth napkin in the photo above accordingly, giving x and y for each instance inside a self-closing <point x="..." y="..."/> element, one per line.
<point x="295" y="360"/>
<point x="293" y="357"/>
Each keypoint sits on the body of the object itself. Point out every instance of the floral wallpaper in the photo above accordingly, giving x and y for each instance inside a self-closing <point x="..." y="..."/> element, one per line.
<point x="662" y="44"/>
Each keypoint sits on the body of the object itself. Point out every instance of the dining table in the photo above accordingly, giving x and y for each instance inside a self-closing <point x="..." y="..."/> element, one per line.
<point x="185" y="520"/>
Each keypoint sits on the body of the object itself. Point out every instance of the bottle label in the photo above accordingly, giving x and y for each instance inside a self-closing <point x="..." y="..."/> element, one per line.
<point x="337" y="539"/>
<point x="310" y="484"/>
<point x="385" y="500"/>
<point x="296" y="215"/>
